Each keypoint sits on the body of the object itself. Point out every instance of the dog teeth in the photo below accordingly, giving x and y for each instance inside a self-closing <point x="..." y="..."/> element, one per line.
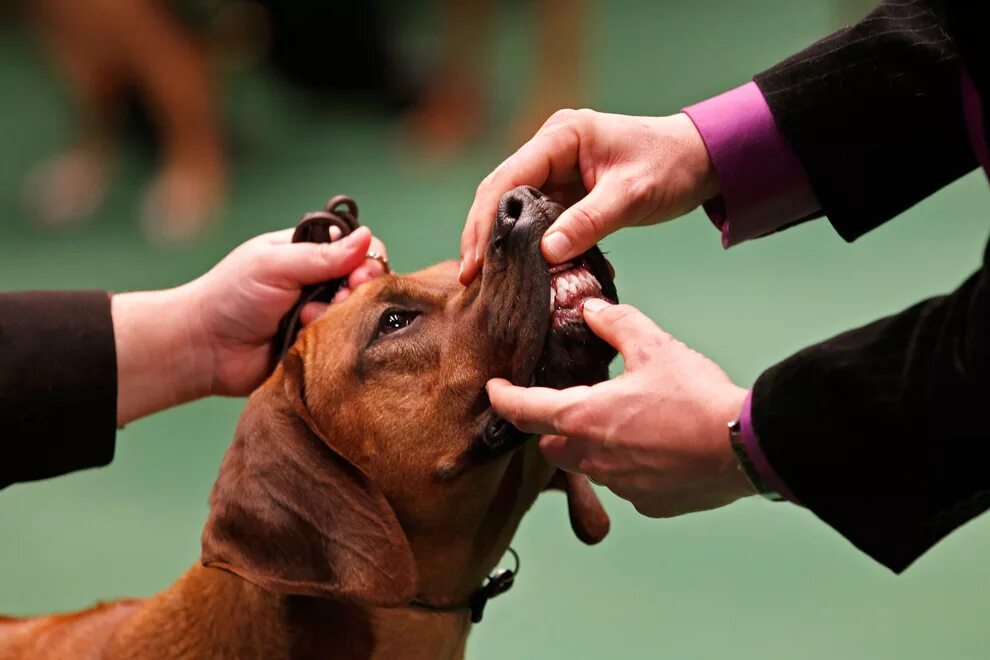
<point x="569" y="286"/>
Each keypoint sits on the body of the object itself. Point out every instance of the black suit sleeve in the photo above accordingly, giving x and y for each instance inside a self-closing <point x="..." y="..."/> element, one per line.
<point x="881" y="431"/>
<point x="58" y="384"/>
<point x="874" y="113"/>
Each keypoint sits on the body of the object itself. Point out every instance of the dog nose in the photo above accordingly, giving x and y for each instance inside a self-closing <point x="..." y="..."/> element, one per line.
<point x="512" y="207"/>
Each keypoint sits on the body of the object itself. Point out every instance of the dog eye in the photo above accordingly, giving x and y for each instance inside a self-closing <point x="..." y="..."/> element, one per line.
<point x="394" y="320"/>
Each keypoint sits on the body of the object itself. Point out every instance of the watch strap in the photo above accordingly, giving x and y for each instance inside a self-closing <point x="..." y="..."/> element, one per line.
<point x="746" y="466"/>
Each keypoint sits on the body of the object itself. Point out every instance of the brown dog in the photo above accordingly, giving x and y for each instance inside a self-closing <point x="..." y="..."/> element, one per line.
<point x="370" y="489"/>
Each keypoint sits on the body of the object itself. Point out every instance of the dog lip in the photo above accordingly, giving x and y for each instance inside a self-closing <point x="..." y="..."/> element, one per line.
<point x="559" y="268"/>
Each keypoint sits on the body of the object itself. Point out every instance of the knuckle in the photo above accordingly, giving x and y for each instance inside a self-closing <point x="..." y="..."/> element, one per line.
<point x="592" y="467"/>
<point x="558" y="138"/>
<point x="588" y="220"/>
<point x="584" y="114"/>
<point x="560" y="116"/>
<point x="636" y="188"/>
<point x="327" y="251"/>
<point x="575" y="419"/>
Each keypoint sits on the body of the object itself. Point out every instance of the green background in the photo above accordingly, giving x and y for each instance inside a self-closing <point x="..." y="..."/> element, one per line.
<point x="753" y="580"/>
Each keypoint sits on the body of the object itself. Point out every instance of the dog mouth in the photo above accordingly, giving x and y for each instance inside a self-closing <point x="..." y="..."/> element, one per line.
<point x="571" y="354"/>
<point x="536" y="310"/>
<point x="571" y="285"/>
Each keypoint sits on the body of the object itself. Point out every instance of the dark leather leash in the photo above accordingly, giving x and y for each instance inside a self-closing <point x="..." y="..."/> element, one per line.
<point x="342" y="212"/>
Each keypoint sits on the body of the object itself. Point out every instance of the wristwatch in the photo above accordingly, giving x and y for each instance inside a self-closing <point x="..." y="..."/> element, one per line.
<point x="746" y="466"/>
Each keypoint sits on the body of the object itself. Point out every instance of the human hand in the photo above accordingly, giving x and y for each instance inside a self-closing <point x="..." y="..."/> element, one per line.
<point x="241" y="300"/>
<point x="657" y="435"/>
<point x="213" y="335"/>
<point x="611" y="171"/>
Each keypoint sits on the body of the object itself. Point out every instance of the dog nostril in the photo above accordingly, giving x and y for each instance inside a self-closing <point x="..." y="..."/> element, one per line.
<point x="513" y="208"/>
<point x="534" y="192"/>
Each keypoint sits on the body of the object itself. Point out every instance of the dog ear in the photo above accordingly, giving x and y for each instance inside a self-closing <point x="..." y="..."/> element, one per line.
<point x="291" y="514"/>
<point x="588" y="518"/>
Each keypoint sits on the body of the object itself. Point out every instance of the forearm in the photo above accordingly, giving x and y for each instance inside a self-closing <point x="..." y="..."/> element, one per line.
<point x="57" y="383"/>
<point x="859" y="126"/>
<point x="881" y="431"/>
<point x="874" y="114"/>
<point x="162" y="358"/>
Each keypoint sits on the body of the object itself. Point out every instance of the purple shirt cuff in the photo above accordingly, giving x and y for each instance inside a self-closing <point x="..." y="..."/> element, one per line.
<point x="764" y="186"/>
<point x="755" y="452"/>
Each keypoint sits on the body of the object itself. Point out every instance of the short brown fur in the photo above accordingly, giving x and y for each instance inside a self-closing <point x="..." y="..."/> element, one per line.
<point x="351" y="487"/>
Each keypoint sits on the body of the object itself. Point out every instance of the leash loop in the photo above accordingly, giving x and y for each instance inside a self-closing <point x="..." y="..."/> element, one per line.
<point x="500" y="581"/>
<point x="340" y="212"/>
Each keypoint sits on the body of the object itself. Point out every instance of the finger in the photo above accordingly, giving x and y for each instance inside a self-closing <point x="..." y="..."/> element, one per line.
<point x="371" y="268"/>
<point x="283" y="236"/>
<point x="470" y="264"/>
<point x="279" y="237"/>
<point x="607" y="207"/>
<point x="294" y="265"/>
<point x="550" y="157"/>
<point x="566" y="453"/>
<point x="342" y="294"/>
<point x="626" y="328"/>
<point x="535" y="409"/>
<point x="312" y="311"/>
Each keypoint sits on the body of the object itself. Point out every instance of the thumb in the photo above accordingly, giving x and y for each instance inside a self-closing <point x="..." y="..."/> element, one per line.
<point x="294" y="265"/>
<point x="626" y="328"/>
<point x="602" y="211"/>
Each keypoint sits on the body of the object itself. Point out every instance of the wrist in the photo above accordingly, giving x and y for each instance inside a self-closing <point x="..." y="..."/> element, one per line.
<point x="696" y="162"/>
<point x="161" y="358"/>
<point x="736" y="484"/>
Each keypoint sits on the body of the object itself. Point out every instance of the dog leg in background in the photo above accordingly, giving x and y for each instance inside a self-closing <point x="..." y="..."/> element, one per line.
<point x="65" y="189"/>
<point x="173" y="71"/>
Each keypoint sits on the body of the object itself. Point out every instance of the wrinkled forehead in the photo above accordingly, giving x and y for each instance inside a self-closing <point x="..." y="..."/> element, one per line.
<point x="343" y="322"/>
<point x="429" y="286"/>
<point x="441" y="277"/>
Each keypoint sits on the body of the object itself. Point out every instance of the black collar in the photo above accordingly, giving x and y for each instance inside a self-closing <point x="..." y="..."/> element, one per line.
<point x="500" y="581"/>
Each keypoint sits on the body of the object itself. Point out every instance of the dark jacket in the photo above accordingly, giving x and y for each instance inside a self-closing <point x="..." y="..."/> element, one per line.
<point x="880" y="431"/>
<point x="58" y="384"/>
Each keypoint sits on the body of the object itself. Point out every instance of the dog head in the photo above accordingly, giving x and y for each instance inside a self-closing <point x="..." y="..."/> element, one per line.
<point x="371" y="464"/>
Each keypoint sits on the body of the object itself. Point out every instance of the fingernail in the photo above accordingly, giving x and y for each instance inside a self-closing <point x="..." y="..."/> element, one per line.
<point x="557" y="244"/>
<point x="592" y="305"/>
<point x="460" y="271"/>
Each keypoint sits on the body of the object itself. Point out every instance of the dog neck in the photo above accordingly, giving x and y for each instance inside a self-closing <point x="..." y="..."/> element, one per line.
<point x="209" y="612"/>
<point x="212" y="613"/>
